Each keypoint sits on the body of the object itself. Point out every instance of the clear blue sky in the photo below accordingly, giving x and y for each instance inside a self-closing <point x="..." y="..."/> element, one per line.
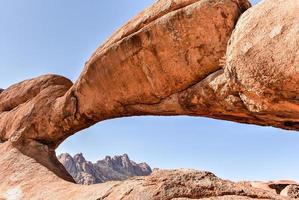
<point x="57" y="36"/>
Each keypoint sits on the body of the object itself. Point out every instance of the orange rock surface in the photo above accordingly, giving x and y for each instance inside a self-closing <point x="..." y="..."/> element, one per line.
<point x="166" y="61"/>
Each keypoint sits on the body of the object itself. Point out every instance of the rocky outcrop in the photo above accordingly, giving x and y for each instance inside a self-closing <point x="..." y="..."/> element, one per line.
<point x="291" y="191"/>
<point x="262" y="62"/>
<point x="24" y="112"/>
<point x="284" y="188"/>
<point x="166" y="61"/>
<point x="117" y="168"/>
<point x="24" y="178"/>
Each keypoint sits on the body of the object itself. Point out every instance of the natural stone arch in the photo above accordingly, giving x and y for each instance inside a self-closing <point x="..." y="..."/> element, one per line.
<point x="166" y="61"/>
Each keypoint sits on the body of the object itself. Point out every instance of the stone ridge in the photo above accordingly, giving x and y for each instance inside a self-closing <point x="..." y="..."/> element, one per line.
<point x="116" y="168"/>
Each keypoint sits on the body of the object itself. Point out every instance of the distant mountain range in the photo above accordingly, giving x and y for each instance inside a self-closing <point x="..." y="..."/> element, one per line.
<point x="116" y="168"/>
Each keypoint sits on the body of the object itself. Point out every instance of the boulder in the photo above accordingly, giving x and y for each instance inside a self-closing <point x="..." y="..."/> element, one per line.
<point x="291" y="191"/>
<point x="263" y="59"/>
<point x="285" y="188"/>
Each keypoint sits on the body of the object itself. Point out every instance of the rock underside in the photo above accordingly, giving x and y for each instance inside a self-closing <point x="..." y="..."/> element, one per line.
<point x="214" y="58"/>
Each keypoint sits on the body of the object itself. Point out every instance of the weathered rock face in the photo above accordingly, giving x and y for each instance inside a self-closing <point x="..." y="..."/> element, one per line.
<point x="166" y="61"/>
<point x="263" y="60"/>
<point x="178" y="44"/>
<point x="24" y="118"/>
<point x="117" y="168"/>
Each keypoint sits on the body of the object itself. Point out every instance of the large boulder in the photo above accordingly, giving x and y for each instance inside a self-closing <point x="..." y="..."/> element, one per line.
<point x="291" y="191"/>
<point x="263" y="61"/>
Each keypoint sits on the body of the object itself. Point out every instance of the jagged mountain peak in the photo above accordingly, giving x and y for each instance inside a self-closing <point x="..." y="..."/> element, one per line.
<point x="119" y="167"/>
<point x="79" y="158"/>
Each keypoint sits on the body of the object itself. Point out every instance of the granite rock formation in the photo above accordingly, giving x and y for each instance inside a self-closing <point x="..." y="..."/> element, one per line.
<point x="166" y="61"/>
<point x="116" y="168"/>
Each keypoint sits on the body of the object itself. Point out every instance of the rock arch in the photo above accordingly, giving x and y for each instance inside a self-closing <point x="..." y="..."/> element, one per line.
<point x="166" y="61"/>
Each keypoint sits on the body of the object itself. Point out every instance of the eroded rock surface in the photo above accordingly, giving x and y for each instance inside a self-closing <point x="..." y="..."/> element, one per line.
<point x="263" y="60"/>
<point x="166" y="61"/>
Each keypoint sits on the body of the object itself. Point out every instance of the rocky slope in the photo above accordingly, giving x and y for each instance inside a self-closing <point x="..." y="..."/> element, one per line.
<point x="116" y="168"/>
<point x="213" y="58"/>
<point x="121" y="168"/>
<point x="24" y="178"/>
